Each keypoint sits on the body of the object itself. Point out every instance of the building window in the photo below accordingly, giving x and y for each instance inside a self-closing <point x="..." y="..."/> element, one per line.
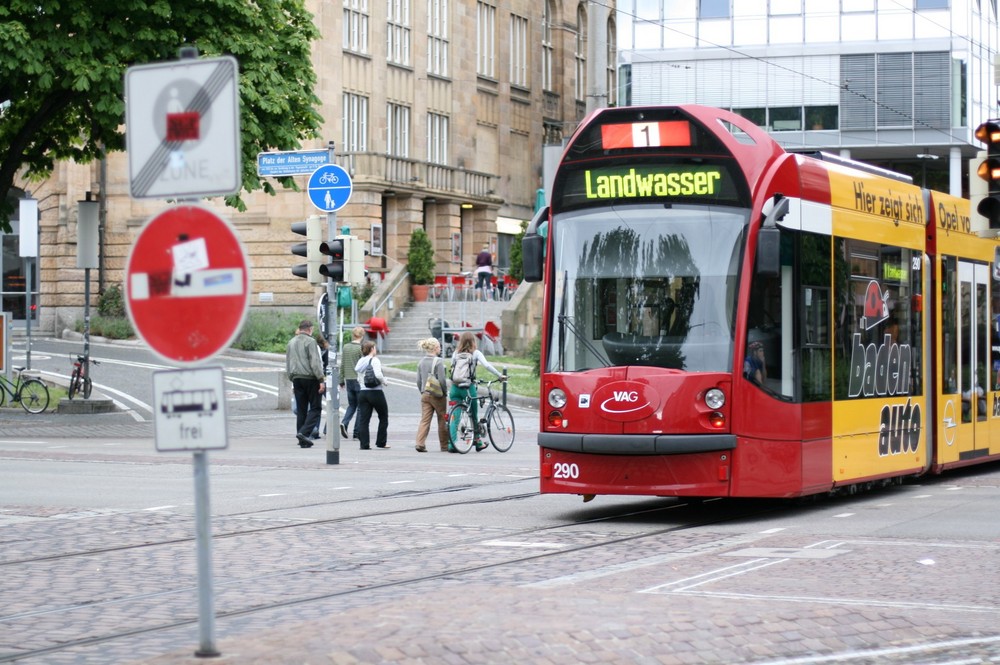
<point x="437" y="37"/>
<point x="713" y="8"/>
<point x="822" y="117"/>
<point x="486" y="18"/>
<point x="756" y="115"/>
<point x="397" y="130"/>
<point x="547" y="48"/>
<point x="437" y="138"/>
<point x="518" y="51"/>
<point x="397" y="32"/>
<point x="355" y="123"/>
<point x="931" y="4"/>
<point x="896" y="90"/>
<point x="580" y="52"/>
<point x="785" y="118"/>
<point x="356" y="26"/>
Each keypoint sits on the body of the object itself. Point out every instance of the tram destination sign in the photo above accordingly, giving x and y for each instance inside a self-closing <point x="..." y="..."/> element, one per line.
<point x="638" y="182"/>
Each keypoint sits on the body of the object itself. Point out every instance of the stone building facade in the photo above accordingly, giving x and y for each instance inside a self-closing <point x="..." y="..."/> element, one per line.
<point x="439" y="109"/>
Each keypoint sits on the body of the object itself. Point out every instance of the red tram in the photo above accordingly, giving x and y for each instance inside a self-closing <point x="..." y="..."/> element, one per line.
<point x="724" y="318"/>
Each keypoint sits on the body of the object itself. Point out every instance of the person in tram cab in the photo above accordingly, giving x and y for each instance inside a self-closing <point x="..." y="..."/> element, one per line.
<point x="753" y="366"/>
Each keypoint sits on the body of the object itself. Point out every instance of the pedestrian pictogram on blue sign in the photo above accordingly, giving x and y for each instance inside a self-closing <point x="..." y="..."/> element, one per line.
<point x="329" y="187"/>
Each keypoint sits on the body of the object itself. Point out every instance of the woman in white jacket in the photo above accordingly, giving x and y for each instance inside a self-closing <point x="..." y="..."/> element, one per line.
<point x="371" y="398"/>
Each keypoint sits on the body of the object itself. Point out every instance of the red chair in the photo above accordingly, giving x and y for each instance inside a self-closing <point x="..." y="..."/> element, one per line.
<point x="440" y="286"/>
<point x="491" y="339"/>
<point x="457" y="286"/>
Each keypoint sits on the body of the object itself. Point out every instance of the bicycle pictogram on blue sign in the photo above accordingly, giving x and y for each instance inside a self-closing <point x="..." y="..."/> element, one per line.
<point x="329" y="187"/>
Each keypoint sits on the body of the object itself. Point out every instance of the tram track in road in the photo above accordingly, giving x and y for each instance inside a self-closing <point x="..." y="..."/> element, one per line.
<point x="448" y="558"/>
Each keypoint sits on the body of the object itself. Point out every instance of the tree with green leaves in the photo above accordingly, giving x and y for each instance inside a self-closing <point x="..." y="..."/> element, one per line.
<point x="63" y="63"/>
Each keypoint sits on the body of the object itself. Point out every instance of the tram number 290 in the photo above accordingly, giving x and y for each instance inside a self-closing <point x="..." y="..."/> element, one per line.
<point x="564" y="470"/>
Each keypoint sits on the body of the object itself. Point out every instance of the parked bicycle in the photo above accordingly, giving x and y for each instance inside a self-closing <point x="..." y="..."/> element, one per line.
<point x="80" y="382"/>
<point x="495" y="420"/>
<point x="31" y="392"/>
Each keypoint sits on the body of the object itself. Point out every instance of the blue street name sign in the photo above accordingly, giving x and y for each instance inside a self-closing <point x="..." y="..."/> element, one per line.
<point x="330" y="187"/>
<point x="295" y="162"/>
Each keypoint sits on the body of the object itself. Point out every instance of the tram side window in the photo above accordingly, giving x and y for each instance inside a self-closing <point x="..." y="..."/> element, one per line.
<point x="879" y="334"/>
<point x="764" y="331"/>
<point x="814" y="331"/>
<point x="994" y="379"/>
<point x="949" y="325"/>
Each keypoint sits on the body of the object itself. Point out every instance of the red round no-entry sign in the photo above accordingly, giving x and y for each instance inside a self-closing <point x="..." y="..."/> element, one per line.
<point x="187" y="285"/>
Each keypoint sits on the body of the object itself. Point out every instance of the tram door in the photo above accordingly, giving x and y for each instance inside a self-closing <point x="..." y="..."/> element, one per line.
<point x="974" y="359"/>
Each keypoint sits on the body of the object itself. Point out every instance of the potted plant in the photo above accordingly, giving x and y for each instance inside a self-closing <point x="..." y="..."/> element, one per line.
<point x="420" y="264"/>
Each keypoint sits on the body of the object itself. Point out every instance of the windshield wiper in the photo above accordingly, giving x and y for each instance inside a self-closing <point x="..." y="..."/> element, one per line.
<point x="566" y="323"/>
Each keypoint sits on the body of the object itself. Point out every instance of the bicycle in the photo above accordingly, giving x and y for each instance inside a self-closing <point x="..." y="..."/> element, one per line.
<point x="496" y="421"/>
<point x="32" y="393"/>
<point x="80" y="381"/>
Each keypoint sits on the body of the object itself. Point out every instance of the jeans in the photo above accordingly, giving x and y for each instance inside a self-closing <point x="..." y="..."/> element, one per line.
<point x="353" y="388"/>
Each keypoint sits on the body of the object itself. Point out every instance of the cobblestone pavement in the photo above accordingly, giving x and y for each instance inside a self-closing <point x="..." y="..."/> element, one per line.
<point x="461" y="581"/>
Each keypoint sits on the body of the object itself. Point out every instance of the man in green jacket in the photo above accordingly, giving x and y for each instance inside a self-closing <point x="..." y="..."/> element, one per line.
<point x="305" y="371"/>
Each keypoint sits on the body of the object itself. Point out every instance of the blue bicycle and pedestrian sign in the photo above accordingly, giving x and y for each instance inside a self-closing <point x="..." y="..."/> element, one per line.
<point x="329" y="187"/>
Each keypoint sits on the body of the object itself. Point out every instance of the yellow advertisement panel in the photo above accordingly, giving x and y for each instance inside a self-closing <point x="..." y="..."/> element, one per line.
<point x="877" y="209"/>
<point x="881" y="427"/>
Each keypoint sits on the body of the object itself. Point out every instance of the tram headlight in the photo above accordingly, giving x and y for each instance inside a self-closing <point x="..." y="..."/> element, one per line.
<point x="715" y="398"/>
<point x="557" y="398"/>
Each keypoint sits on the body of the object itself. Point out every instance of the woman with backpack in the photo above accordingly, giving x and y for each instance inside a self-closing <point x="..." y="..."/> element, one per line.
<point x="464" y="363"/>
<point x="371" y="397"/>
<point x="431" y="382"/>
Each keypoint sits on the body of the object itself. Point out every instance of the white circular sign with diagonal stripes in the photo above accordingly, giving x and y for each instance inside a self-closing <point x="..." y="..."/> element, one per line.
<point x="182" y="128"/>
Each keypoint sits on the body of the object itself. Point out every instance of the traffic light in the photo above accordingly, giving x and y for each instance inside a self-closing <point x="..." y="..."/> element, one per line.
<point x="335" y="250"/>
<point x="989" y="170"/>
<point x="355" y="261"/>
<point x="312" y="229"/>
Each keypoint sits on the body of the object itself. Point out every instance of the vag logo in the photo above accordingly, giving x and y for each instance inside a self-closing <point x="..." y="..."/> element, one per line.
<point x="626" y="400"/>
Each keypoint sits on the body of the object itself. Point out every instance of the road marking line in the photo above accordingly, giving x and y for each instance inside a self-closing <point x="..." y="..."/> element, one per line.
<point x="159" y="508"/>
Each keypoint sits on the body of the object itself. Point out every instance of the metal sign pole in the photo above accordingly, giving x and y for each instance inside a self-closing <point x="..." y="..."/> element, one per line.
<point x="203" y="537"/>
<point x="333" y="386"/>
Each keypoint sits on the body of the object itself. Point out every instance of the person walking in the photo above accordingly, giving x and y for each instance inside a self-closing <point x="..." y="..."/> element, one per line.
<point x="432" y="394"/>
<point x="349" y="357"/>
<point x="371" y="398"/>
<point x="464" y="362"/>
<point x="484" y="272"/>
<point x="324" y="356"/>
<point x="305" y="371"/>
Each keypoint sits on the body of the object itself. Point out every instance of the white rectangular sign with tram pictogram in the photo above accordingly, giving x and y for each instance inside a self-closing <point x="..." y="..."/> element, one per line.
<point x="189" y="409"/>
<point x="182" y="128"/>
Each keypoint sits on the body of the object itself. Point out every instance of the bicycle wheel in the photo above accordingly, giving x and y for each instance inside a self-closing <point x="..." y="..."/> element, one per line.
<point x="500" y="425"/>
<point x="34" y="396"/>
<point x="74" y="383"/>
<point x="461" y="428"/>
<point x="88" y="387"/>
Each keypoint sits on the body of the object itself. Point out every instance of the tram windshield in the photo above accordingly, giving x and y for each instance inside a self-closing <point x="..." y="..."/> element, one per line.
<point x="636" y="285"/>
